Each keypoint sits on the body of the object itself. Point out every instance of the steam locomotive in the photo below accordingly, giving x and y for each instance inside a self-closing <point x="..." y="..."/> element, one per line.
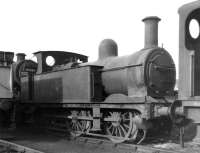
<point x="113" y="97"/>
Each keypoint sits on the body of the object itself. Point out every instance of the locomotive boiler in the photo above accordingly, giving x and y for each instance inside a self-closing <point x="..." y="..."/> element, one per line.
<point x="148" y="72"/>
<point x="114" y="97"/>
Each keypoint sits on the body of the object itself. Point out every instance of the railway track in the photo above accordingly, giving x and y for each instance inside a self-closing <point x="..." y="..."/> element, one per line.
<point x="9" y="147"/>
<point x="125" y="147"/>
<point x="153" y="144"/>
<point x="50" y="142"/>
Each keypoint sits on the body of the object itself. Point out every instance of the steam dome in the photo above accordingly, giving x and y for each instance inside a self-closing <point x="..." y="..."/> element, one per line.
<point x="107" y="48"/>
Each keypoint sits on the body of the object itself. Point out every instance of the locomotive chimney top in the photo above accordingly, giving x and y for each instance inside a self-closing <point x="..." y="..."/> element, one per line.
<point x="107" y="48"/>
<point x="151" y="31"/>
<point x="20" y="57"/>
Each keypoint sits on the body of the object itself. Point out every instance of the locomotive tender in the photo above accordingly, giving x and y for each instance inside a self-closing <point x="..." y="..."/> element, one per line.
<point x="114" y="97"/>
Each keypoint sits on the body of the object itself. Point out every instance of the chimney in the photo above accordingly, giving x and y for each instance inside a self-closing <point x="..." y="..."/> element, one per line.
<point x="20" y="57"/>
<point x="151" y="31"/>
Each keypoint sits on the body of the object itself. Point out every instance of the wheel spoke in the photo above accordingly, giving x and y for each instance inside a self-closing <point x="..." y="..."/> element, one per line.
<point x="120" y="128"/>
<point x="109" y="127"/>
<point x="120" y="132"/>
<point x="126" y="126"/>
<point x="72" y="126"/>
<point x="135" y="131"/>
<point x="113" y="129"/>
<point x="79" y="126"/>
<point x="117" y="131"/>
<point x="124" y="131"/>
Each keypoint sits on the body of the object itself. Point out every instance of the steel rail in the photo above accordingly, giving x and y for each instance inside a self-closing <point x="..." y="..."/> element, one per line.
<point x="124" y="147"/>
<point x="19" y="148"/>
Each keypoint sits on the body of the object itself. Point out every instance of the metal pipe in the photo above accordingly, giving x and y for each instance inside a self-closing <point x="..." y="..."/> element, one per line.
<point x="181" y="137"/>
<point x="151" y="31"/>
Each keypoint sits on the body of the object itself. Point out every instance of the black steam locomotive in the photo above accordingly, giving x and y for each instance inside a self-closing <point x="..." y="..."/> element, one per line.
<point x="113" y="97"/>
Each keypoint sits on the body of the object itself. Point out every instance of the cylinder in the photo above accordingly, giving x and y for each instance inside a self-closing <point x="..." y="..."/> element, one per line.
<point x="20" y="57"/>
<point x="151" y="31"/>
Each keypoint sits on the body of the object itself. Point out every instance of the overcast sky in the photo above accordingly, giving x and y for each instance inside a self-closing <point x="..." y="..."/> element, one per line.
<point x="79" y="25"/>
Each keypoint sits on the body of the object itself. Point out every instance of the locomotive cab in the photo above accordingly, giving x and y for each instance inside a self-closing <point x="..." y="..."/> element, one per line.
<point x="58" y="58"/>
<point x="189" y="64"/>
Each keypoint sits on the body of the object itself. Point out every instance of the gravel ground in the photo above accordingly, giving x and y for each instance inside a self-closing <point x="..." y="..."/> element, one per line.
<point x="51" y="143"/>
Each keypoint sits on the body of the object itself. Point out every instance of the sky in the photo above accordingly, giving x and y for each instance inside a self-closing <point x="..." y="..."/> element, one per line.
<point x="80" y="25"/>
